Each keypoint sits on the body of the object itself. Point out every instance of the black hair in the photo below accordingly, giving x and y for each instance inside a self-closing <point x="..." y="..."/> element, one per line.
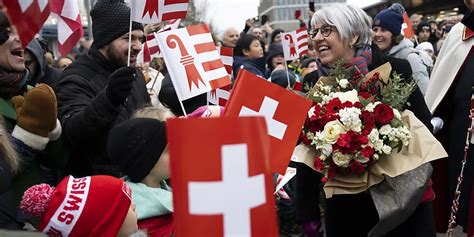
<point x="244" y="43"/>
<point x="4" y="24"/>
<point x="275" y="32"/>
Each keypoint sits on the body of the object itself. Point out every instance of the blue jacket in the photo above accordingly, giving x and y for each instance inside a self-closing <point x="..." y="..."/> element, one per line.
<point x="255" y="66"/>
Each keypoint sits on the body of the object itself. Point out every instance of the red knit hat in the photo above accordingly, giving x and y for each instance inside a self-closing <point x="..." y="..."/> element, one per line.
<point x="89" y="206"/>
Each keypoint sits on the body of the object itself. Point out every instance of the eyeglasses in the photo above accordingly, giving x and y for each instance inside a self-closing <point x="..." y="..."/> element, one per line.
<point x="325" y="30"/>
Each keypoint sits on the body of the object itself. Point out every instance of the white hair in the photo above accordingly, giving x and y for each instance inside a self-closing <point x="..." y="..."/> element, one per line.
<point x="349" y="21"/>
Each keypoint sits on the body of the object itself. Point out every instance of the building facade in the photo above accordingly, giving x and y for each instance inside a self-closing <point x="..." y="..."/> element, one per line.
<point x="282" y="13"/>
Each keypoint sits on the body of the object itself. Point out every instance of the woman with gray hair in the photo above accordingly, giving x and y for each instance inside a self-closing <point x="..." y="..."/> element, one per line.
<point x="342" y="32"/>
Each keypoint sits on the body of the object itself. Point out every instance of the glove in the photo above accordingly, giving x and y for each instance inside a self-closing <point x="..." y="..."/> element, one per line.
<point x="36" y="116"/>
<point x="120" y="85"/>
<point x="312" y="228"/>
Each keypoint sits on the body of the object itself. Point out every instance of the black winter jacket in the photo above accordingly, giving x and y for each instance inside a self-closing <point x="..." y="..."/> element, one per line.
<point x="87" y="115"/>
<point x="45" y="73"/>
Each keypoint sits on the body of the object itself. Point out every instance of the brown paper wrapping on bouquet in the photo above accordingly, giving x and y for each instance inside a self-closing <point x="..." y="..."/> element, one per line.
<point x="422" y="149"/>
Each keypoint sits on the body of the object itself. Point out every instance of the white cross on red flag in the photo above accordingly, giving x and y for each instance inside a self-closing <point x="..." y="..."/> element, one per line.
<point x="69" y="24"/>
<point x="284" y="112"/>
<point x="192" y="60"/>
<point x="220" y="96"/>
<point x="407" y="27"/>
<point x="295" y="43"/>
<point x="155" y="11"/>
<point x="226" y="188"/>
<point x="28" y="16"/>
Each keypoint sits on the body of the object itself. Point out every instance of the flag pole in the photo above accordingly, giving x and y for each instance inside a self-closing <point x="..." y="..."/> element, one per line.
<point x="129" y="42"/>
<point x="182" y="107"/>
<point x="156" y="78"/>
<point x="287" y="75"/>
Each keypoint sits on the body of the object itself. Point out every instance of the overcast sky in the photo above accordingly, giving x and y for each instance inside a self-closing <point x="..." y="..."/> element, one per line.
<point x="225" y="13"/>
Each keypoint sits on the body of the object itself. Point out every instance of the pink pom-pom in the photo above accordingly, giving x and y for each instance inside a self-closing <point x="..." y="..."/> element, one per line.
<point x="36" y="199"/>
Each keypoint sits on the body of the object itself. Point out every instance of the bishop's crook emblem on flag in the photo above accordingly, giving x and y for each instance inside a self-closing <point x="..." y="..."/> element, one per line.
<point x="186" y="59"/>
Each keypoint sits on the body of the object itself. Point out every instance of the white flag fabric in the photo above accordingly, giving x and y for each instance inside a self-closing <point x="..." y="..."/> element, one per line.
<point x="155" y="11"/>
<point x="220" y="96"/>
<point x="69" y="24"/>
<point x="192" y="60"/>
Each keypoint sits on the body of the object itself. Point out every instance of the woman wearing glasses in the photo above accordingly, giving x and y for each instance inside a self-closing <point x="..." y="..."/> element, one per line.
<point x="343" y="32"/>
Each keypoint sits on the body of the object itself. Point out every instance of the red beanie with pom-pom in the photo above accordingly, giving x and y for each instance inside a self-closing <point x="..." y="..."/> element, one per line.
<point x="88" y="206"/>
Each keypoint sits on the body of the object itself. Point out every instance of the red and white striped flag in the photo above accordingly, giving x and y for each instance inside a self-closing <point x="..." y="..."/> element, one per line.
<point x="151" y="49"/>
<point x="295" y="43"/>
<point x="69" y="24"/>
<point x="200" y="68"/>
<point x="155" y="11"/>
<point x="27" y="16"/>
<point x="220" y="96"/>
<point x="170" y="25"/>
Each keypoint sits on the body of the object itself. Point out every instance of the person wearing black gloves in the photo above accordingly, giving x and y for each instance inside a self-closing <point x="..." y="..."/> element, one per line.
<point x="97" y="91"/>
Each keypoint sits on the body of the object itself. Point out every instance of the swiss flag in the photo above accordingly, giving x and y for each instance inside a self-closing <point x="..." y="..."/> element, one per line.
<point x="222" y="185"/>
<point x="295" y="43"/>
<point x="155" y="11"/>
<point x="69" y="24"/>
<point x="407" y="28"/>
<point x="192" y="60"/>
<point x="284" y="112"/>
<point x="28" y="16"/>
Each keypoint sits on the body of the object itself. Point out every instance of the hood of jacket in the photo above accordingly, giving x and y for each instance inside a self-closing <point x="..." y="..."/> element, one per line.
<point x="38" y="54"/>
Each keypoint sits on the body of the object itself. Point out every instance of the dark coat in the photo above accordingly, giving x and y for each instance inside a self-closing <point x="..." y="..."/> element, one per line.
<point x="308" y="181"/>
<point x="87" y="115"/>
<point x="7" y="209"/>
<point x="454" y="109"/>
<point x="255" y="66"/>
<point x="45" y="74"/>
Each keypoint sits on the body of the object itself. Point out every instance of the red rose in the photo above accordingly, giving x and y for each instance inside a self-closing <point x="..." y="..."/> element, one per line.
<point x="357" y="167"/>
<point x="367" y="151"/>
<point x="364" y="95"/>
<point x="333" y="106"/>
<point x="347" y="104"/>
<point x="368" y="121"/>
<point x="318" y="164"/>
<point x="383" y="114"/>
<point x="305" y="139"/>
<point x="358" y="105"/>
<point x="317" y="113"/>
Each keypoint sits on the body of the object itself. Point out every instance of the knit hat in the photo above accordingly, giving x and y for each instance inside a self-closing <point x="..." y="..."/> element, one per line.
<point x="110" y="20"/>
<point x="88" y="206"/>
<point x="423" y="26"/>
<point x="390" y="19"/>
<point x="280" y="78"/>
<point x="4" y="24"/>
<point x="136" y="145"/>
<point x="273" y="50"/>
<point x="305" y="62"/>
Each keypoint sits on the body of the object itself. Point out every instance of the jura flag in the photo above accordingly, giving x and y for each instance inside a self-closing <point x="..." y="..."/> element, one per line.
<point x="155" y="11"/>
<point x="284" y="112"/>
<point x="192" y="60"/>
<point x="221" y="95"/>
<point x="28" y="16"/>
<point x="222" y="185"/>
<point x="295" y="43"/>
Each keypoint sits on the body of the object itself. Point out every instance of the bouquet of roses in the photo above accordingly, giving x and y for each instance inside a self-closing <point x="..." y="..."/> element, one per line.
<point x="355" y="120"/>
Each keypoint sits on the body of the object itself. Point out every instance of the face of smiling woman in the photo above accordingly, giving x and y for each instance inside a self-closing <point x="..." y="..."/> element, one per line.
<point x="12" y="53"/>
<point x="329" y="46"/>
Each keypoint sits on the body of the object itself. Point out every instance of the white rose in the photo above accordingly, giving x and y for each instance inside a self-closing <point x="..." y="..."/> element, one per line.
<point x="340" y="159"/>
<point x="376" y="157"/>
<point x="350" y="96"/>
<point x="374" y="135"/>
<point x="311" y="112"/>
<point x="326" y="149"/>
<point x="385" y="129"/>
<point x="343" y="83"/>
<point x="332" y="130"/>
<point x="386" y="149"/>
<point x="377" y="145"/>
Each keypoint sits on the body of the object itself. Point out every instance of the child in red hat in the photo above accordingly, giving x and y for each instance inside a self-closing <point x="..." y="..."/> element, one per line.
<point x="89" y="206"/>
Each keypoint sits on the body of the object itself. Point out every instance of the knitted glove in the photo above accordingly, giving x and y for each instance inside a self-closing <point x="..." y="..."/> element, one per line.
<point x="36" y="117"/>
<point x="120" y="84"/>
<point x="312" y="229"/>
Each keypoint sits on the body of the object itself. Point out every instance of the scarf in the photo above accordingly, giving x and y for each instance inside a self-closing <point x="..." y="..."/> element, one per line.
<point x="12" y="83"/>
<point x="361" y="61"/>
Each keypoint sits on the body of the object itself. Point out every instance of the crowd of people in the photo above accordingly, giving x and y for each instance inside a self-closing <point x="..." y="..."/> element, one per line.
<point x="87" y="121"/>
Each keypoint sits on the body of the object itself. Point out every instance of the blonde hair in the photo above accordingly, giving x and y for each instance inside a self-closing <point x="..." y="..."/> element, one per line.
<point x="159" y="112"/>
<point x="6" y="148"/>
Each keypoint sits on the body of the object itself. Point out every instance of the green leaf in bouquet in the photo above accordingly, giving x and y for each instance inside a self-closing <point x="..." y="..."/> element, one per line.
<point x="397" y="91"/>
<point x="396" y="123"/>
<point x="367" y="101"/>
